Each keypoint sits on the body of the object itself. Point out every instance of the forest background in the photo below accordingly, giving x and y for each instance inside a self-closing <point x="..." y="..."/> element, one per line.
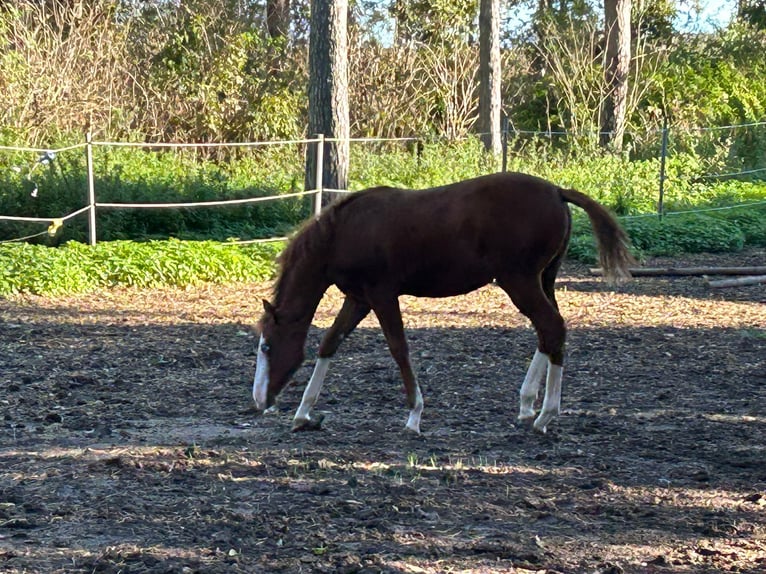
<point x="220" y="70"/>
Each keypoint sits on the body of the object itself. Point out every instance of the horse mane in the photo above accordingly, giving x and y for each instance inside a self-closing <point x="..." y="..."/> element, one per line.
<point x="311" y="240"/>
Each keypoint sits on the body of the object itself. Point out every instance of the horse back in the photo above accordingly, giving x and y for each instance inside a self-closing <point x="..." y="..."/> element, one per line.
<point x="449" y="239"/>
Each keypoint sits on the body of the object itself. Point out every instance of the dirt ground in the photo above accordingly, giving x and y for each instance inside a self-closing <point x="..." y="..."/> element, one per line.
<point x="128" y="443"/>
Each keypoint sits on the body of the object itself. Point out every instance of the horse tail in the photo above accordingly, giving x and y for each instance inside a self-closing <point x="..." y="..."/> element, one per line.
<point x="614" y="256"/>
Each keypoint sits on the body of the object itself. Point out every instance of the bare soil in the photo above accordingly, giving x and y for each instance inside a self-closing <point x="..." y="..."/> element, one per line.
<point x="128" y="442"/>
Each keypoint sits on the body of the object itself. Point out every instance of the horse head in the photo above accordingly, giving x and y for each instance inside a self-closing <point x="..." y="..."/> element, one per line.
<point x="280" y="353"/>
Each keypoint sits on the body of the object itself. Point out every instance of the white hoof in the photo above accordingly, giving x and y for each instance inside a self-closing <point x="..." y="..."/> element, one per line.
<point x="411" y="427"/>
<point x="308" y="424"/>
<point x="526" y="414"/>
<point x="541" y="423"/>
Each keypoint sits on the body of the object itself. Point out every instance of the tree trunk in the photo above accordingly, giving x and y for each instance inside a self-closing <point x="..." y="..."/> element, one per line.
<point x="278" y="18"/>
<point x="328" y="92"/>
<point x="489" y="75"/>
<point x="617" y="67"/>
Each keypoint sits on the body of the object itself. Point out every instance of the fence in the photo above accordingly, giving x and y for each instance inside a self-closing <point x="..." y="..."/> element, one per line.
<point x="509" y="136"/>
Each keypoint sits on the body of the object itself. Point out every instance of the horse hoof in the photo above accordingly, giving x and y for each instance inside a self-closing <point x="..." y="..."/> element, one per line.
<point x="541" y="424"/>
<point x="412" y="430"/>
<point x="526" y="422"/>
<point x="312" y="424"/>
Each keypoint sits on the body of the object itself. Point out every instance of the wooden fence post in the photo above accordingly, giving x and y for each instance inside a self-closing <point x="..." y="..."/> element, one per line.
<point x="319" y="175"/>
<point x="91" y="190"/>
<point x="664" y="152"/>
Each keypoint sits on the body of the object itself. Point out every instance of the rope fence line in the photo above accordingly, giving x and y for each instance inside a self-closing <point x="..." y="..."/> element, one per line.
<point x="48" y="155"/>
<point x="45" y="219"/>
<point x="43" y="150"/>
<point x="20" y="239"/>
<point x="732" y="174"/>
<point x="200" y="144"/>
<point x="206" y="203"/>
<point x="700" y="210"/>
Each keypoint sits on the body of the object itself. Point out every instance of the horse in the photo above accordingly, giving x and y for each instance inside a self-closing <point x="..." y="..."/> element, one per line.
<point x="377" y="244"/>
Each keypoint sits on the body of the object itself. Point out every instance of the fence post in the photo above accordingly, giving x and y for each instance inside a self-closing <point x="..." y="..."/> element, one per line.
<point x="319" y="175"/>
<point x="91" y="190"/>
<point x="663" y="154"/>
<point x="504" y="142"/>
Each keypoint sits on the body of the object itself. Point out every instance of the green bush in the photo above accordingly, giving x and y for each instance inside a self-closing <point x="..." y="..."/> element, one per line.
<point x="77" y="268"/>
<point x="709" y="232"/>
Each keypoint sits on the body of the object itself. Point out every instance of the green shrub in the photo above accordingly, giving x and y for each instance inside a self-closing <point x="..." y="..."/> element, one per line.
<point x="677" y="234"/>
<point x="77" y="268"/>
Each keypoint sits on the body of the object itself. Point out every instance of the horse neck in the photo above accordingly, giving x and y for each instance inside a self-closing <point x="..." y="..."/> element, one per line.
<point x="299" y="290"/>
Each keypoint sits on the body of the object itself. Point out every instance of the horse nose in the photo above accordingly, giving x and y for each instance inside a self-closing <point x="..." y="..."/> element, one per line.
<point x="261" y="383"/>
<point x="260" y="396"/>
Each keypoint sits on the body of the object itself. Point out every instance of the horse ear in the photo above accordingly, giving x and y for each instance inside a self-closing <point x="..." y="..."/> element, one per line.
<point x="270" y="310"/>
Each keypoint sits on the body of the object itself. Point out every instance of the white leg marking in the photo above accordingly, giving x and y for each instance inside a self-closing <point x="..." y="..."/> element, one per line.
<point x="552" y="400"/>
<point x="531" y="385"/>
<point x="312" y="390"/>
<point x="413" y="422"/>
<point x="261" y="379"/>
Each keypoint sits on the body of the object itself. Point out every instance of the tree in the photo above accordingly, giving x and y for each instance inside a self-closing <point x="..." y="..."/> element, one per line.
<point x="433" y="21"/>
<point x="616" y="69"/>
<point x="328" y="92"/>
<point x="278" y="18"/>
<point x="753" y="12"/>
<point x="489" y="75"/>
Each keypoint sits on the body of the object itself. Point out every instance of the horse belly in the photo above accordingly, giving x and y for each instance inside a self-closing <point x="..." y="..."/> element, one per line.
<point x="445" y="282"/>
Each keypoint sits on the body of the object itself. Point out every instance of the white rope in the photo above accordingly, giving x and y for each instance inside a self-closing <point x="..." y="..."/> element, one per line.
<point x="707" y="209"/>
<point x="40" y="150"/>
<point x="716" y="128"/>
<point x="201" y="144"/>
<point x="28" y="219"/>
<point x="205" y="203"/>
<point x="256" y="241"/>
<point x="732" y="174"/>
<point x="25" y="237"/>
<point x="686" y="211"/>
<point x="44" y="219"/>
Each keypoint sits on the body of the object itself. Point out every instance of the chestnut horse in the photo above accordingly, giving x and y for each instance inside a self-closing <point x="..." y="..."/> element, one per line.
<point x="377" y="244"/>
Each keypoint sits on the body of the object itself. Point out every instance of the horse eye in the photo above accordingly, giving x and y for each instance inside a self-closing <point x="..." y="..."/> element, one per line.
<point x="265" y="347"/>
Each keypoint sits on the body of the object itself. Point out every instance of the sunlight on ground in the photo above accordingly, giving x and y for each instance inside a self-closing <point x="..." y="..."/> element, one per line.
<point x="581" y="309"/>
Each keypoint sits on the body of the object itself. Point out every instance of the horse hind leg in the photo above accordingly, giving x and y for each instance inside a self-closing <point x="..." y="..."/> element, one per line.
<point x="351" y="314"/>
<point x="534" y="302"/>
<point x="531" y="385"/>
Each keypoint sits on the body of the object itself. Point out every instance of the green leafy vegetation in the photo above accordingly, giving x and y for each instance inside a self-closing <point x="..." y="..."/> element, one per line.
<point x="134" y="249"/>
<point x="77" y="268"/>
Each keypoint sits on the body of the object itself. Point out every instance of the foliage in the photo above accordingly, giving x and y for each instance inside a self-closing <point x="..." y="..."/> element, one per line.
<point x="206" y="70"/>
<point x="707" y="232"/>
<point x="717" y="79"/>
<point x="414" y="88"/>
<point x="213" y="78"/>
<point x="434" y="21"/>
<point x="62" y="66"/>
<point x="417" y="164"/>
<point x="76" y="268"/>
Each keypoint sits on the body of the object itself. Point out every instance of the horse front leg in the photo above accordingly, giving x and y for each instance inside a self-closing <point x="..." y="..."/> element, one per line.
<point x="350" y="315"/>
<point x="390" y="318"/>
